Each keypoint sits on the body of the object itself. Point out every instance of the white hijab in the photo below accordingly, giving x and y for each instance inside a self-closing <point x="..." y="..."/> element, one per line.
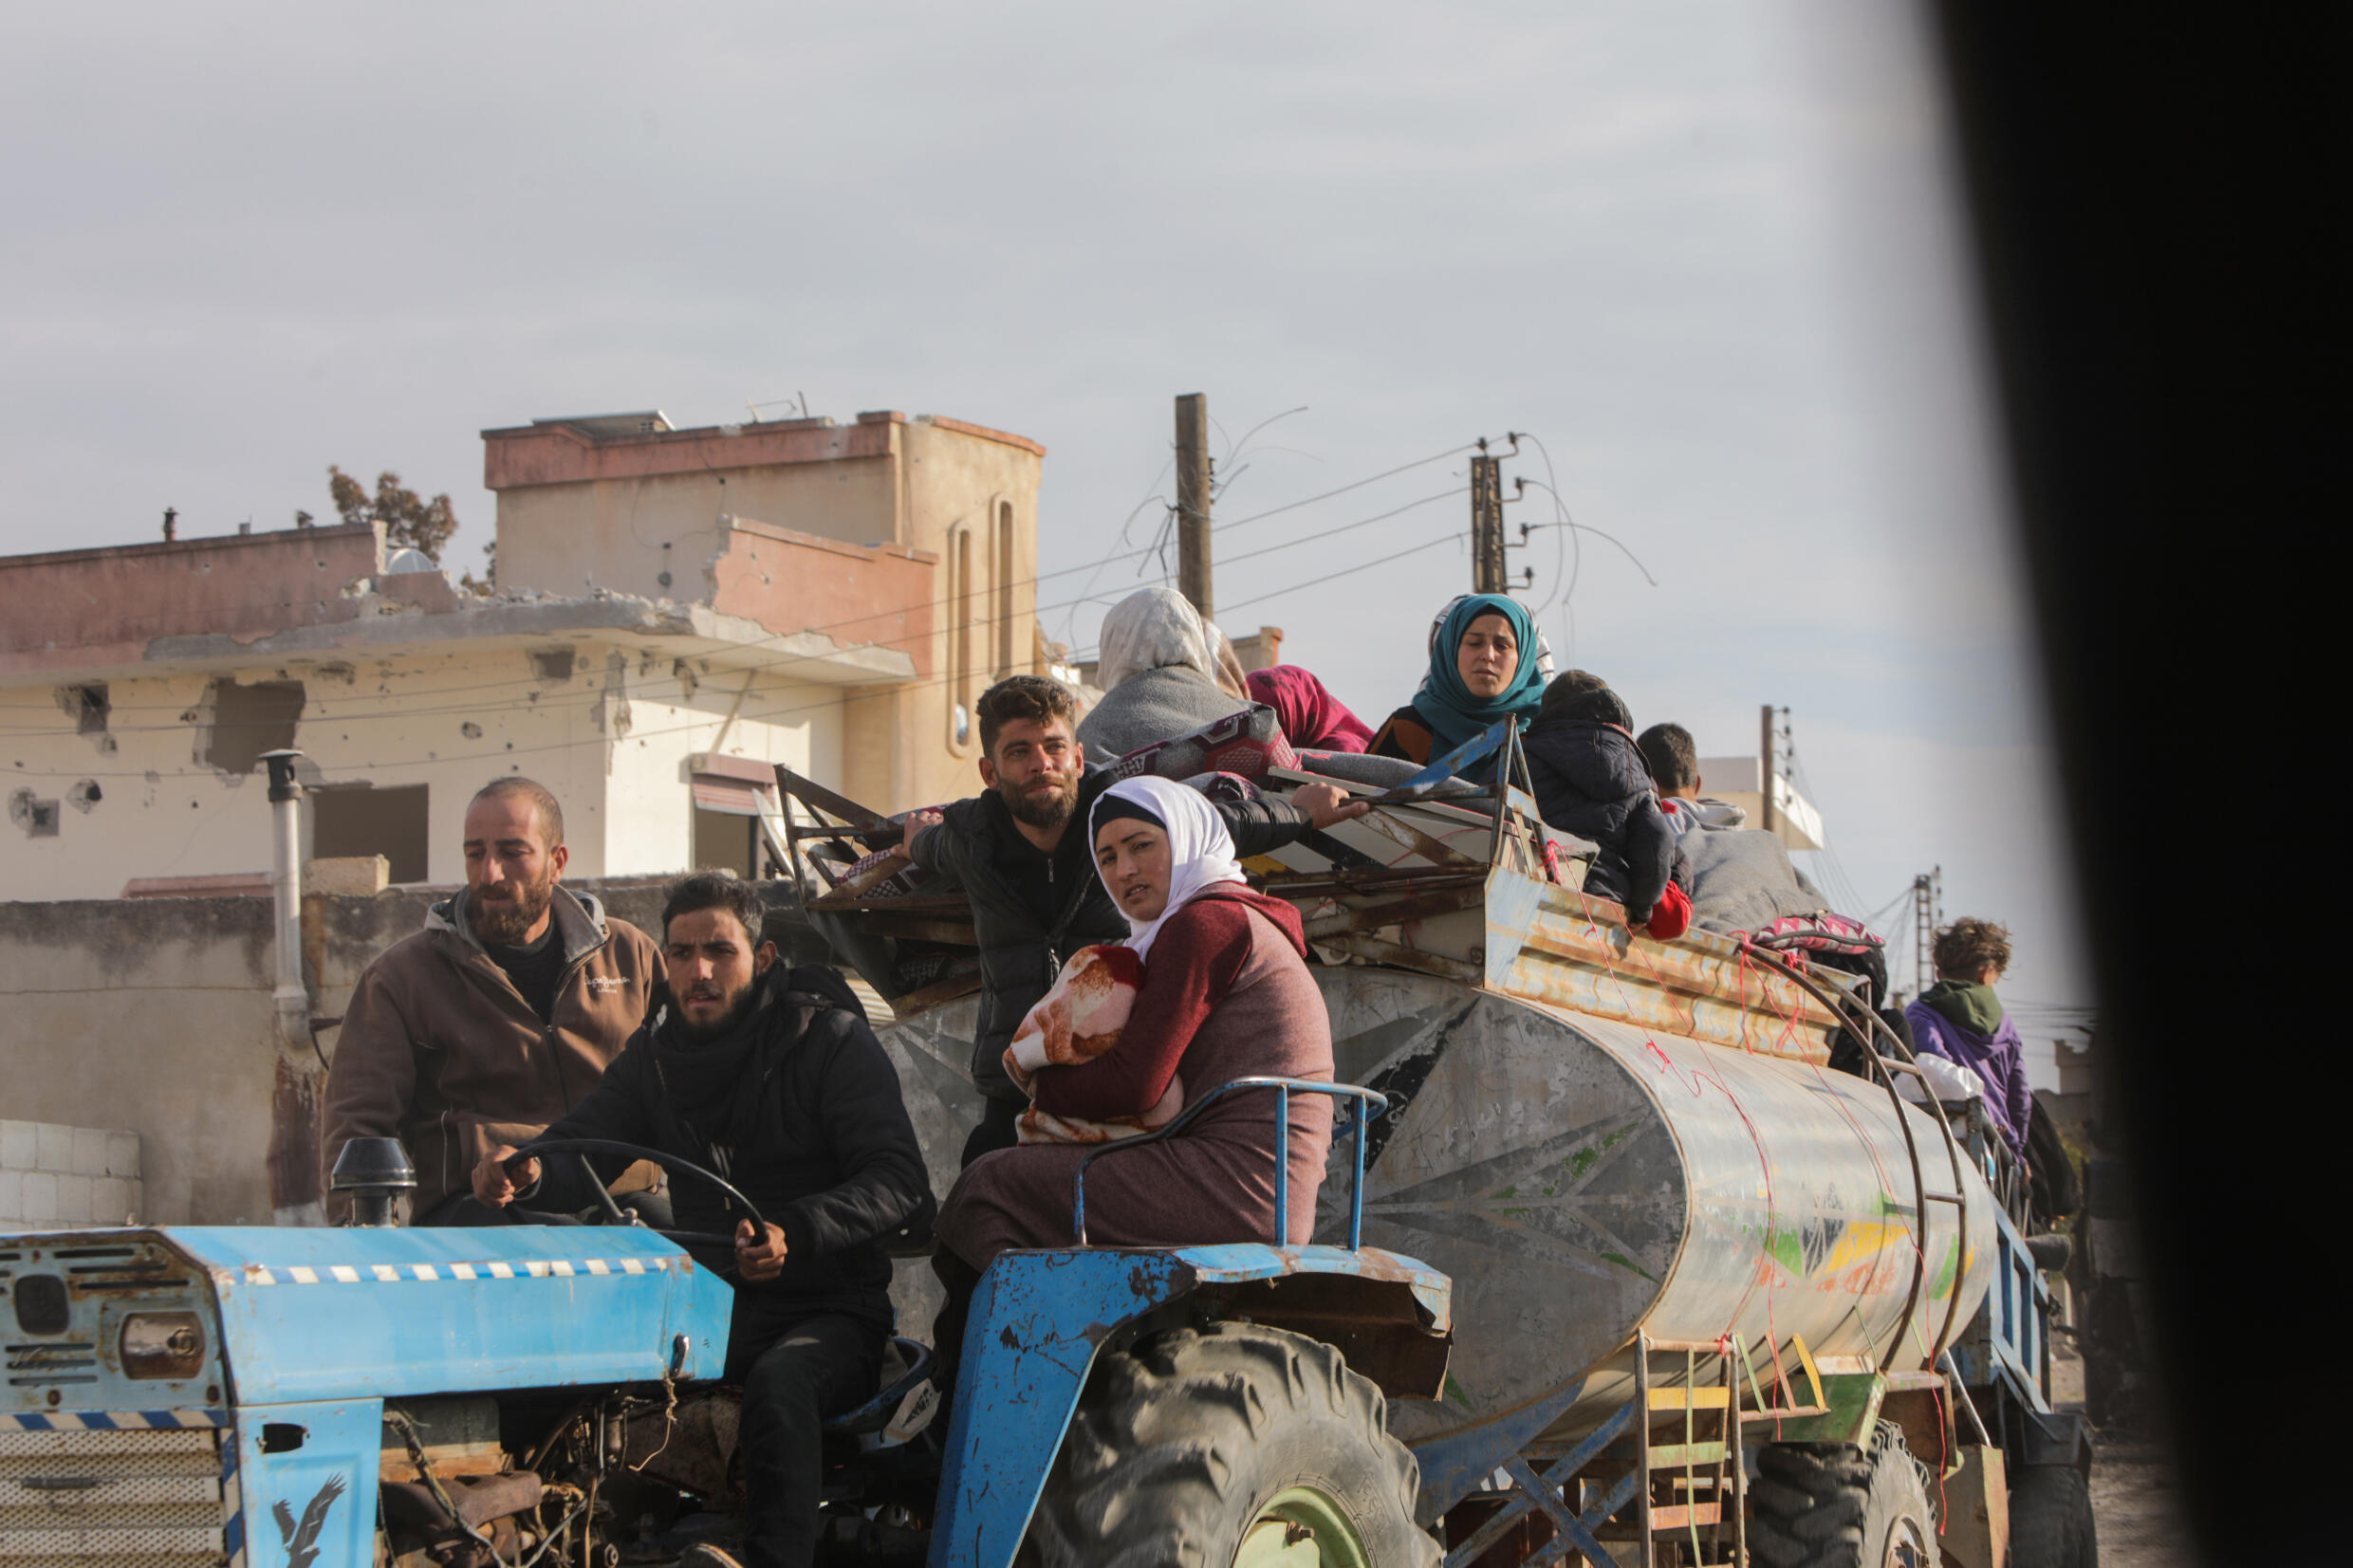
<point x="1155" y="629"/>
<point x="1200" y="850"/>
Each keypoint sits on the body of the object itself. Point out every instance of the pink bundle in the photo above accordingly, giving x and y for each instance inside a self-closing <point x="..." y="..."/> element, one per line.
<point x="1818" y="932"/>
<point x="1075" y="1022"/>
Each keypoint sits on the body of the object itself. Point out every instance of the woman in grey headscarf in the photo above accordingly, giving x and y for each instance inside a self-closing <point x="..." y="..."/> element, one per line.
<point x="1163" y="671"/>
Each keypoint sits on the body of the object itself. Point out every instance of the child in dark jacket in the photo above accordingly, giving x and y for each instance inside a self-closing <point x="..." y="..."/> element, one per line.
<point x="1591" y="781"/>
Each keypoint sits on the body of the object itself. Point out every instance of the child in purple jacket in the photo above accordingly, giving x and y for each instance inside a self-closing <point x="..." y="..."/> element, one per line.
<point x="1961" y="1020"/>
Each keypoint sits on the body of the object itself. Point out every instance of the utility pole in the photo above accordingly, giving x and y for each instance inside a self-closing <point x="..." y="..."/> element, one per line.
<point x="1487" y="571"/>
<point x="1927" y="913"/>
<point x="1193" y="477"/>
<point x="1765" y="769"/>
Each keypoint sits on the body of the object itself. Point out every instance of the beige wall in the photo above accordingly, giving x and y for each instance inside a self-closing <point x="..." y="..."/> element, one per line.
<point x="611" y="738"/>
<point x="623" y="534"/>
<point x="973" y="501"/>
<point x="447" y="721"/>
<point x="649" y="809"/>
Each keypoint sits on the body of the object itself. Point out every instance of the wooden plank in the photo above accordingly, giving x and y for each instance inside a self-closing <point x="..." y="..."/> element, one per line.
<point x="1675" y="1456"/>
<point x="947" y="988"/>
<point x="1690" y="1399"/>
<point x="952" y="933"/>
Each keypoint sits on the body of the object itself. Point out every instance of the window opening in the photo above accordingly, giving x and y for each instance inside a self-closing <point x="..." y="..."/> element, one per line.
<point x="358" y="820"/>
<point x="249" y="720"/>
<point x="1004" y="589"/>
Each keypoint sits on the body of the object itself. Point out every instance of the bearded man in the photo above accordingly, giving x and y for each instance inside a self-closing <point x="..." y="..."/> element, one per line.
<point x="497" y="1018"/>
<point x="1035" y="896"/>
<point x="770" y="1076"/>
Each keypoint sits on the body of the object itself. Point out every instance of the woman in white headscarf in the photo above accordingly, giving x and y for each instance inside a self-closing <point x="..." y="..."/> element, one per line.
<point x="1163" y="671"/>
<point x="1225" y="993"/>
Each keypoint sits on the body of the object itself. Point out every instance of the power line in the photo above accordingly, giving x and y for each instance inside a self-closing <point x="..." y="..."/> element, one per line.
<point x="1451" y="536"/>
<point x="1294" y="505"/>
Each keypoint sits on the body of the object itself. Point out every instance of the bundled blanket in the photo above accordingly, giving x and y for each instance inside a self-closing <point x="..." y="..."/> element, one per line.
<point x="1079" y="1020"/>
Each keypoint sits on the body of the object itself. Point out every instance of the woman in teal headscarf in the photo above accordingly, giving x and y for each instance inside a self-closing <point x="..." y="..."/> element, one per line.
<point x="1483" y="664"/>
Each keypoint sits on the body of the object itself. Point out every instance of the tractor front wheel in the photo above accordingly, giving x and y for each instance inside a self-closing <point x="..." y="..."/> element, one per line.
<point x="1239" y="1445"/>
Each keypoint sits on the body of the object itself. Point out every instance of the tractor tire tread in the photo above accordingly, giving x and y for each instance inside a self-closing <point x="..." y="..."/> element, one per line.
<point x="1177" y="1441"/>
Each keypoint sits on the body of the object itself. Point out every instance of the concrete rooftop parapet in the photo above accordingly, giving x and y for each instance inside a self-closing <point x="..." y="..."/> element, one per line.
<point x="555" y="452"/>
<point x="1004" y="437"/>
<point x="563" y="455"/>
<point x="75" y="609"/>
<point x="381" y="626"/>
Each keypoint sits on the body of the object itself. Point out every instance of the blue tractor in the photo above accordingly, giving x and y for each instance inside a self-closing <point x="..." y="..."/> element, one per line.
<point x="545" y="1395"/>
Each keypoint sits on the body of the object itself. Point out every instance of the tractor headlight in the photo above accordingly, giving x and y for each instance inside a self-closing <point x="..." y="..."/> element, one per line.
<point x="163" y="1344"/>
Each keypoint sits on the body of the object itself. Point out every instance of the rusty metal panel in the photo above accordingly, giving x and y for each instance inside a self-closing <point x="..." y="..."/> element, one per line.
<point x="1559" y="947"/>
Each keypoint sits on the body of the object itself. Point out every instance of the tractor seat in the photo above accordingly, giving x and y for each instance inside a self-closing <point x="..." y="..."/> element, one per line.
<point x="906" y="1366"/>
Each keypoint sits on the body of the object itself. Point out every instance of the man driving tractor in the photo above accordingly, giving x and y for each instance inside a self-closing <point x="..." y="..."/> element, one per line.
<point x="771" y="1077"/>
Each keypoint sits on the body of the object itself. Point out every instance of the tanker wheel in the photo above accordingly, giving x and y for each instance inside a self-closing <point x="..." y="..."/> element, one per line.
<point x="2050" y="1522"/>
<point x="1836" y="1505"/>
<point x="1236" y="1446"/>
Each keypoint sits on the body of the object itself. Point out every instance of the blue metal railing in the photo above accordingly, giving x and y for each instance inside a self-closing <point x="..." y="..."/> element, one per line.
<point x="1375" y="1104"/>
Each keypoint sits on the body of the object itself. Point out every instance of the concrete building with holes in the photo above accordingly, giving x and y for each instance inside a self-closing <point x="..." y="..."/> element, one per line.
<point x="678" y="611"/>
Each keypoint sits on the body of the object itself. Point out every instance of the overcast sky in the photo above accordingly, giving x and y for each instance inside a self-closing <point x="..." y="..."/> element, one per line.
<point x="1705" y="254"/>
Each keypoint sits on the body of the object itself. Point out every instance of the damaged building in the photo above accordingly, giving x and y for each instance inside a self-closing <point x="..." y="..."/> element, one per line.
<point x="678" y="610"/>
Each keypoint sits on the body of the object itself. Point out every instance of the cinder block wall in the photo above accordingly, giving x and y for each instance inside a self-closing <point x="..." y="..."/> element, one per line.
<point x="56" y="1176"/>
<point x="154" y="1014"/>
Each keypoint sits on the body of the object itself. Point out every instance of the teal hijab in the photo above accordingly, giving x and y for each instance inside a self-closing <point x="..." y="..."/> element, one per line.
<point x="1455" y="716"/>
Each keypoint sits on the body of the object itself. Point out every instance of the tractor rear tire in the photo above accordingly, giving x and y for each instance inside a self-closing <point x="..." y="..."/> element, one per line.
<point x="1836" y="1505"/>
<point x="2051" y="1520"/>
<point x="1237" y="1443"/>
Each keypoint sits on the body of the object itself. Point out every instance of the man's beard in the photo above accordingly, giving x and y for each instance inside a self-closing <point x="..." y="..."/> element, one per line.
<point x="507" y="923"/>
<point x="1041" y="808"/>
<point x="691" y="1033"/>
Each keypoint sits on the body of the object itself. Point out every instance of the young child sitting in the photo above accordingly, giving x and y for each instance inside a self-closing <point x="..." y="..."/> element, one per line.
<point x="1591" y="781"/>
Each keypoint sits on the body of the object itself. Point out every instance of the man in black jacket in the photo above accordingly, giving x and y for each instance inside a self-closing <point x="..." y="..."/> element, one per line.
<point x="1035" y="896"/>
<point x="770" y="1078"/>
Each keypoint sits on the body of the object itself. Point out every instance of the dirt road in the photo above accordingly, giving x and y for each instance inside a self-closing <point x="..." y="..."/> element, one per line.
<point x="2136" y="1498"/>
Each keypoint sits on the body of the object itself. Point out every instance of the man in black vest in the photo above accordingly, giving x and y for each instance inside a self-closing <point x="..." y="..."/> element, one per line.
<point x="770" y="1076"/>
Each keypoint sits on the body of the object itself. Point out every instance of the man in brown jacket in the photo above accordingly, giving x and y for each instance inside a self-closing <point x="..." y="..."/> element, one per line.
<point x="493" y="1021"/>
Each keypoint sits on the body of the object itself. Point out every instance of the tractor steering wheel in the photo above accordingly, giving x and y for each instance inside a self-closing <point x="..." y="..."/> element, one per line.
<point x="669" y="1162"/>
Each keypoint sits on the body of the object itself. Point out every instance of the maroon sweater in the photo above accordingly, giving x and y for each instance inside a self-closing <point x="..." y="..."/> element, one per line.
<point x="1227" y="994"/>
<point x="1192" y="966"/>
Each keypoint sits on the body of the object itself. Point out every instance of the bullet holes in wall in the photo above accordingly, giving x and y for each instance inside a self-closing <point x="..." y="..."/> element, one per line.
<point x="35" y="818"/>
